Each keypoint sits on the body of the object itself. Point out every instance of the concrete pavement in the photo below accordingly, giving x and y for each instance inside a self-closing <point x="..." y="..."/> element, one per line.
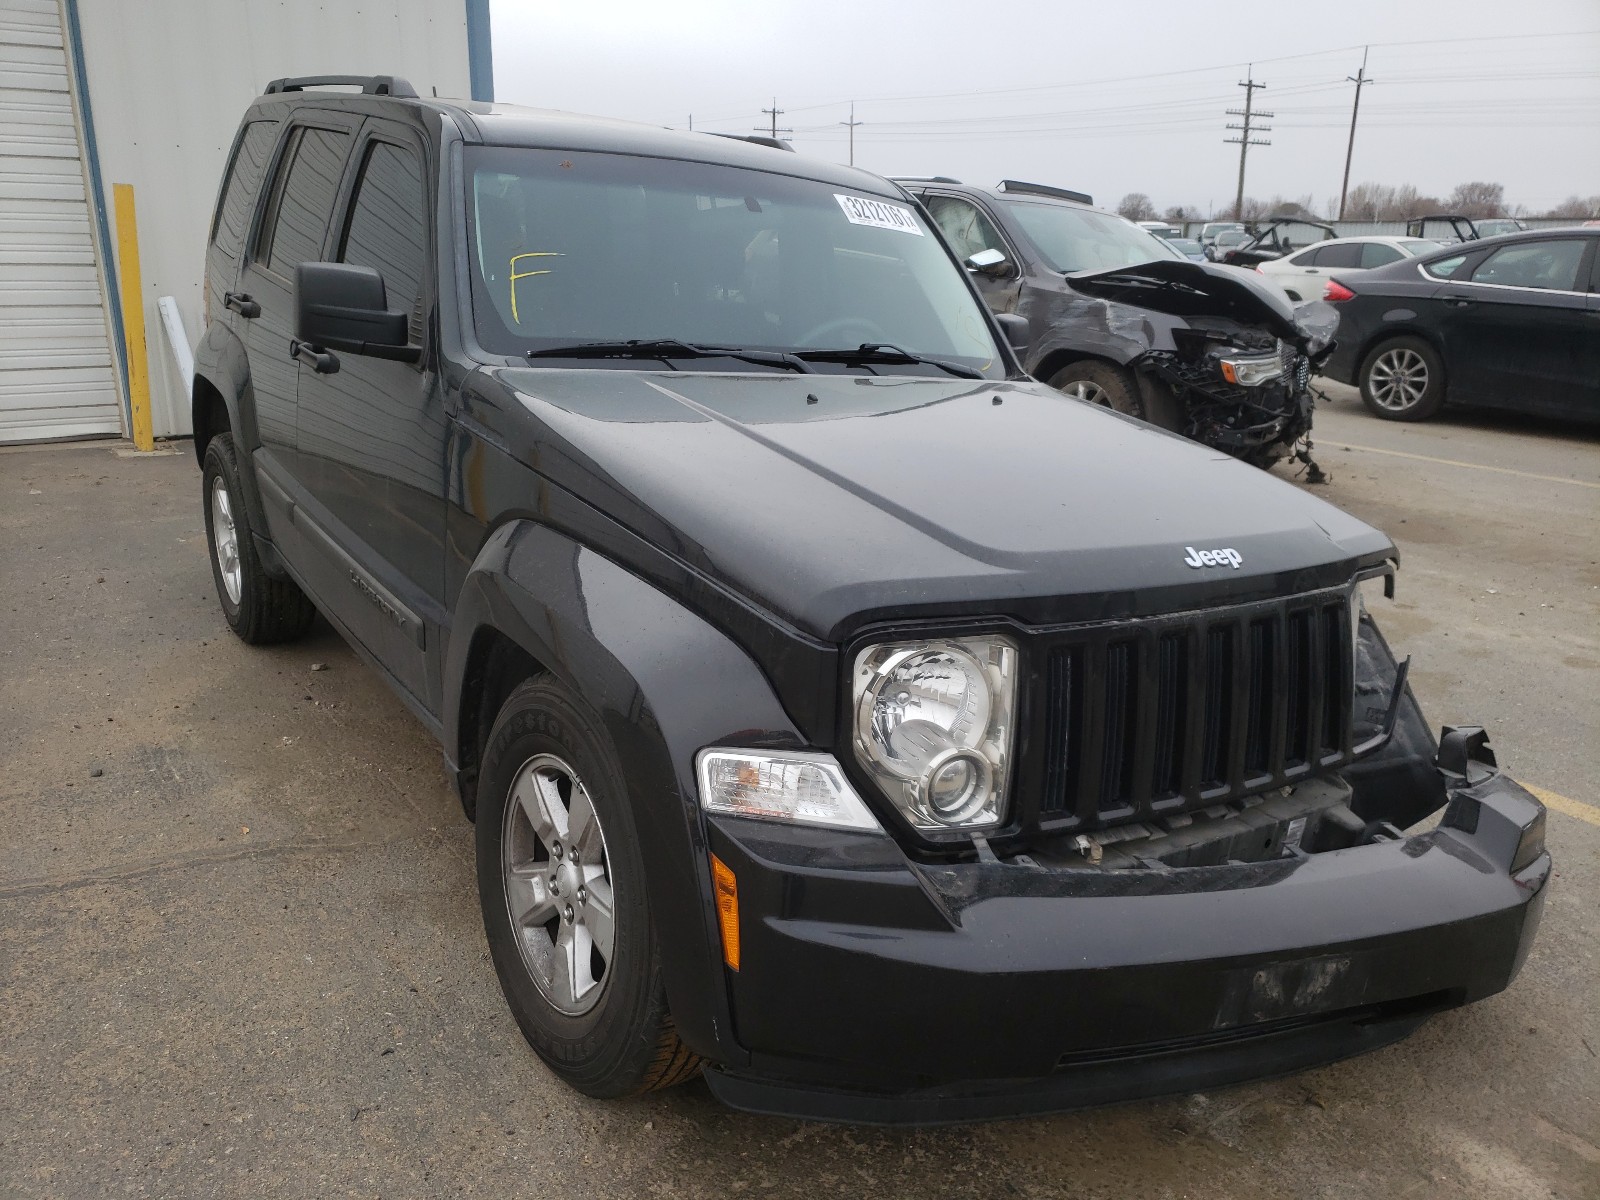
<point x="240" y="951"/>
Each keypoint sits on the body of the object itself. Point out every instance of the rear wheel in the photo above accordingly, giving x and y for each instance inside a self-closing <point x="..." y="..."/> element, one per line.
<point x="561" y="883"/>
<point x="1402" y="380"/>
<point x="1103" y="383"/>
<point x="258" y="607"/>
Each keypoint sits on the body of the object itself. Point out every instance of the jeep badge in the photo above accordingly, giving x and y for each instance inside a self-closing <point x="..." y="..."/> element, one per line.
<point x="1213" y="558"/>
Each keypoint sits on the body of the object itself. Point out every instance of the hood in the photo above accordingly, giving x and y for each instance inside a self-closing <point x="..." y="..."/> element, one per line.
<point x="831" y="500"/>
<point x="1191" y="289"/>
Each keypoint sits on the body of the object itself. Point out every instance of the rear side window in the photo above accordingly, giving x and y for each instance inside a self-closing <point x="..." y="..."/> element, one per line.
<point x="1443" y="268"/>
<point x="239" y="189"/>
<point x="1376" y="254"/>
<point x="1348" y="255"/>
<point x="1551" y="266"/>
<point x="310" y="177"/>
<point x="387" y="229"/>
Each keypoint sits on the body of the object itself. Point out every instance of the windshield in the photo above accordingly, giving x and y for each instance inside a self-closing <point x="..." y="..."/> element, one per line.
<point x="1416" y="246"/>
<point x="573" y="248"/>
<point x="1080" y="239"/>
<point x="1232" y="237"/>
<point x="1184" y="245"/>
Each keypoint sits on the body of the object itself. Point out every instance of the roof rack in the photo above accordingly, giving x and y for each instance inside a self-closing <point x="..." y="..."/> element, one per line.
<point x="758" y="139"/>
<point x="1040" y="189"/>
<point x="370" y="85"/>
<point x="924" y="179"/>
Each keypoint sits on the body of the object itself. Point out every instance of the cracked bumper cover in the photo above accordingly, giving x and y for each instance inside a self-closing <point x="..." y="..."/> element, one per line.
<point x="876" y="990"/>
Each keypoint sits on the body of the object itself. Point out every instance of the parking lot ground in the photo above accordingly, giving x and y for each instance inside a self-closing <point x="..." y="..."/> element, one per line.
<point x="240" y="951"/>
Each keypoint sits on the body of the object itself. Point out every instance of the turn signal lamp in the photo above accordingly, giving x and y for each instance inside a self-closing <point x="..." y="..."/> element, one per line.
<point x="1336" y="291"/>
<point x="726" y="890"/>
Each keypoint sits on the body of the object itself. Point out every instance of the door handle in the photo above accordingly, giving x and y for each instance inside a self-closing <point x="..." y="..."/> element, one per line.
<point x="1458" y="301"/>
<point x="323" y="362"/>
<point x="241" y="303"/>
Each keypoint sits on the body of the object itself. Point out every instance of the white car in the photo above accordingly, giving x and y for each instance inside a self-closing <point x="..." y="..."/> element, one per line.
<point x="1304" y="275"/>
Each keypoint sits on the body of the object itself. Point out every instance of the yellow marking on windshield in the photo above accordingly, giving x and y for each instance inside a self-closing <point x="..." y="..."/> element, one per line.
<point x="516" y="275"/>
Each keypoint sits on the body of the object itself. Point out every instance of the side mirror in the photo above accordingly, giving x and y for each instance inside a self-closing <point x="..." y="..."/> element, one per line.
<point x="340" y="306"/>
<point x="1016" y="330"/>
<point x="989" y="262"/>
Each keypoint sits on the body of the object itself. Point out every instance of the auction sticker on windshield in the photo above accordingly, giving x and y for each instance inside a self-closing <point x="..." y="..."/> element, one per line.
<point x="861" y="211"/>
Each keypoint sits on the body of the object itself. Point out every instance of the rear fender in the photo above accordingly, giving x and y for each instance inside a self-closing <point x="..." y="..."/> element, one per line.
<point x="665" y="683"/>
<point x="221" y="366"/>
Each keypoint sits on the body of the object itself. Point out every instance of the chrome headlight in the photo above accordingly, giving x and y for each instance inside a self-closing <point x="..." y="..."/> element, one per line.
<point x="1252" y="371"/>
<point x="933" y="724"/>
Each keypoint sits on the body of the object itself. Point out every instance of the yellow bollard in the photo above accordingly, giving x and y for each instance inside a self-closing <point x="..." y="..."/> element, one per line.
<point x="133" y="317"/>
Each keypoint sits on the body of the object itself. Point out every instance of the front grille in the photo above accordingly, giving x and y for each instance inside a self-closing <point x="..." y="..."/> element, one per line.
<point x="1144" y="718"/>
<point x="1296" y="367"/>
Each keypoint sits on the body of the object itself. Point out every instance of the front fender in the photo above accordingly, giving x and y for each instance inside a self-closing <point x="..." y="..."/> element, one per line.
<point x="665" y="684"/>
<point x="1064" y="327"/>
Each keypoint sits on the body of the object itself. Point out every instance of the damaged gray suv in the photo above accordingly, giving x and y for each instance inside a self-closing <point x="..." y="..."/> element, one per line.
<point x="1118" y="317"/>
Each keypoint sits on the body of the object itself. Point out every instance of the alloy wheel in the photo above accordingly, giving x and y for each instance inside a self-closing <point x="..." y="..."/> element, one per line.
<point x="1398" y="379"/>
<point x="557" y="883"/>
<point x="1088" y="390"/>
<point x="225" y="540"/>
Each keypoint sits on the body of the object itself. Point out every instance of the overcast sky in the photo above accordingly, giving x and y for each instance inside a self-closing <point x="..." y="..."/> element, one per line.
<point x="1102" y="97"/>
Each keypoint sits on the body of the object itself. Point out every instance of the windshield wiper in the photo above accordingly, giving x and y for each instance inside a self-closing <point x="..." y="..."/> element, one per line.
<point x="883" y="352"/>
<point x="667" y="349"/>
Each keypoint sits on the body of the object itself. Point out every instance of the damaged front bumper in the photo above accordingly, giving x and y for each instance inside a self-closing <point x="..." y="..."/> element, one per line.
<point x="1234" y="418"/>
<point x="877" y="989"/>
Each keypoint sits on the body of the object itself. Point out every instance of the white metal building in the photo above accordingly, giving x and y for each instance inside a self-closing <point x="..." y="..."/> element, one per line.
<point x="149" y="93"/>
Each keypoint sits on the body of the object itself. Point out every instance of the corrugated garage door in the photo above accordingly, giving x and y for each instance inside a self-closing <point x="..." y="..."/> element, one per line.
<point x="56" y="374"/>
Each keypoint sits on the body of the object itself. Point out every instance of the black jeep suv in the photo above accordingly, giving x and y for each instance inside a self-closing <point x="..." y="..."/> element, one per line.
<point x="1117" y="316"/>
<point x="842" y="712"/>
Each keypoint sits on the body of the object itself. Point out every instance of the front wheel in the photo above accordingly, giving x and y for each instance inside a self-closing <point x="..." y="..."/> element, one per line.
<point x="1402" y="380"/>
<point x="561" y="883"/>
<point x="1110" y="386"/>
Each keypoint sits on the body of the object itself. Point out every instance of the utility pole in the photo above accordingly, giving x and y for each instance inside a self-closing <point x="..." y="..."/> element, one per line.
<point x="852" y="123"/>
<point x="1244" y="139"/>
<point x="774" y="112"/>
<point x="1359" y="79"/>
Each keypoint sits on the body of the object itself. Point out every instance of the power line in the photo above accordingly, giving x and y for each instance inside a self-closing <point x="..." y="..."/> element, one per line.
<point x="1139" y="78"/>
<point x="1359" y="79"/>
<point x="852" y="123"/>
<point x="774" y="112"/>
<point x="1249" y="84"/>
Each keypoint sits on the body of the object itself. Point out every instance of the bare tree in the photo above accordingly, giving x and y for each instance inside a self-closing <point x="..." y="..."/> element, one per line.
<point x="1136" y="206"/>
<point x="1253" y="209"/>
<point x="1177" y="212"/>
<point x="1478" y="199"/>
<point x="1387" y="202"/>
<point x="1577" y="208"/>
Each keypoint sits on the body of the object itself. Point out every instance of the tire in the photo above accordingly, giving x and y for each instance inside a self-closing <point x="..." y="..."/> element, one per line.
<point x="259" y="608"/>
<point x="606" y="1032"/>
<point x="1096" y="382"/>
<point x="1402" y="380"/>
